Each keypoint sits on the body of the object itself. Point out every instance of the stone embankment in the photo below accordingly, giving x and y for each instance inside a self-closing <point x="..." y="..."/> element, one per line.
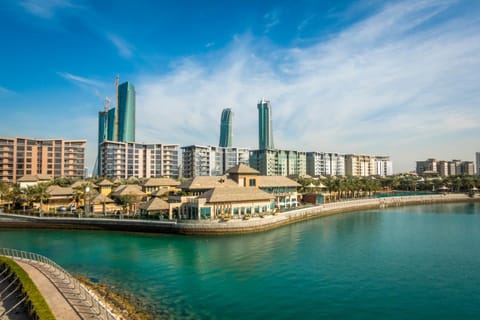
<point x="226" y="227"/>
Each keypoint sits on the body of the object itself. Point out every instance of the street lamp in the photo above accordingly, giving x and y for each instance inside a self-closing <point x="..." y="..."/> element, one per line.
<point x="85" y="204"/>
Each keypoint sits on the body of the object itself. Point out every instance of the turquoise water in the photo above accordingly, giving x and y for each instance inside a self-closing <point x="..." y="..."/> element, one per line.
<point x="418" y="262"/>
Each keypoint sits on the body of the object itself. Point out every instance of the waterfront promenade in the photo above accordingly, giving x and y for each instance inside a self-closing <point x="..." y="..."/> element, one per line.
<point x="220" y="226"/>
<point x="66" y="297"/>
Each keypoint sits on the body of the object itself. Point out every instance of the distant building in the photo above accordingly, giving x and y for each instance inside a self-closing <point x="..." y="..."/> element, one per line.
<point x="325" y="164"/>
<point x="273" y="162"/>
<point x="359" y="165"/>
<point x="117" y="124"/>
<point x="383" y="167"/>
<point x="52" y="157"/>
<point x="126" y="112"/>
<point x="429" y="165"/>
<point x="477" y="162"/>
<point x="265" y="130"/>
<point x="445" y="168"/>
<point x="129" y="159"/>
<point x="210" y="160"/>
<point x="226" y="128"/>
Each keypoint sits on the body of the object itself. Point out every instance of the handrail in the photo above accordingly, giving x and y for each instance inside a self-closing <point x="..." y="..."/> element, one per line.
<point x="95" y="304"/>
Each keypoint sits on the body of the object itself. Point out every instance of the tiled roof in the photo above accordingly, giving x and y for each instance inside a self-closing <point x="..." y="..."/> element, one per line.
<point x="159" y="182"/>
<point x="207" y="182"/>
<point x="155" y="204"/>
<point x="275" y="181"/>
<point x="55" y="190"/>
<point x="100" y="199"/>
<point x="242" y="169"/>
<point x="105" y="183"/>
<point x="235" y="194"/>
<point x="128" y="190"/>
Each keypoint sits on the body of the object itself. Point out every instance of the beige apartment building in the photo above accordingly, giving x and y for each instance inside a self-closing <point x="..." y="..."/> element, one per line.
<point x="53" y="157"/>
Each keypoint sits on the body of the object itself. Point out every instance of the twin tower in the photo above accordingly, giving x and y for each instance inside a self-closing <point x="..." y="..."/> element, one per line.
<point x="265" y="135"/>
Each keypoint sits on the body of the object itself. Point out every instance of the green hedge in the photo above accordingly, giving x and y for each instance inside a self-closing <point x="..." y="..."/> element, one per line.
<point x="40" y="306"/>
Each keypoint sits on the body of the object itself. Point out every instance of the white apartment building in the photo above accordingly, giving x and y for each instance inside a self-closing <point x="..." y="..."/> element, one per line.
<point x="274" y="162"/>
<point x="211" y="160"/>
<point x="325" y="164"/>
<point x="129" y="159"/>
<point x="383" y="167"/>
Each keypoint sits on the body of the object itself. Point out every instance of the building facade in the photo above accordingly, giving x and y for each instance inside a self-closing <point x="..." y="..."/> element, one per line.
<point x="359" y="165"/>
<point x="126" y="112"/>
<point x="325" y="164"/>
<point x="383" y="167"/>
<point x="445" y="168"/>
<point x="117" y="124"/>
<point x="53" y="157"/>
<point x="273" y="162"/>
<point x="226" y="123"/>
<point x="477" y="162"/>
<point x="129" y="159"/>
<point x="210" y="160"/>
<point x="265" y="130"/>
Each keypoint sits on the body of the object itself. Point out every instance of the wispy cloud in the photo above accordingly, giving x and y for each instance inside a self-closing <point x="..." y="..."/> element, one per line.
<point x="46" y="8"/>
<point x="81" y="80"/>
<point x="397" y="82"/>
<point x="124" y="48"/>
<point x="4" y="91"/>
<point x="209" y="44"/>
<point x="272" y="18"/>
<point x="305" y="22"/>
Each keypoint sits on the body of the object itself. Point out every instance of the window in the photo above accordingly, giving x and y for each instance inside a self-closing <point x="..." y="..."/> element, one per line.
<point x="252" y="182"/>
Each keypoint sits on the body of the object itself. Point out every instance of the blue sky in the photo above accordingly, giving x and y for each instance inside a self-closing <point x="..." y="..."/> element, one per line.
<point x="397" y="78"/>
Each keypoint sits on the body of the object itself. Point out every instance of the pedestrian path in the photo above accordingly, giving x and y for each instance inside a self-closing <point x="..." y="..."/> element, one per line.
<point x="67" y="298"/>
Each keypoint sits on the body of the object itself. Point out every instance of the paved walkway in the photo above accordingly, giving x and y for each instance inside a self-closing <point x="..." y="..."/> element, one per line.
<point x="64" y="299"/>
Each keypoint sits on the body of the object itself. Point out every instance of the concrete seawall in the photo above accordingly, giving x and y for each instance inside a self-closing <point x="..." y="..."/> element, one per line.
<point x="233" y="226"/>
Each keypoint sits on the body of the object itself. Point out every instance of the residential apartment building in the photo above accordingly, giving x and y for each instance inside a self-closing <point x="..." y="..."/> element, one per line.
<point x="211" y="160"/>
<point x="383" y="167"/>
<point x="274" y="162"/>
<point x="325" y="164"/>
<point x="53" y="157"/>
<point x="445" y="168"/>
<point x="477" y="162"/>
<point x="129" y="159"/>
<point x="359" y="165"/>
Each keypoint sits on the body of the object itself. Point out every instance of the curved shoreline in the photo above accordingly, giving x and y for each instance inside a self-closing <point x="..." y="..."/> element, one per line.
<point x="226" y="227"/>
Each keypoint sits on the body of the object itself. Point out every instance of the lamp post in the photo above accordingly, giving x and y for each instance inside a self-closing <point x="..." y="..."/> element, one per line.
<point x="85" y="202"/>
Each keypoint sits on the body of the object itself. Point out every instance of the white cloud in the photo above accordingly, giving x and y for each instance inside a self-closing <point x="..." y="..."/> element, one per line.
<point x="80" y="80"/>
<point x="124" y="48"/>
<point x="272" y="18"/>
<point x="46" y="8"/>
<point x="393" y="84"/>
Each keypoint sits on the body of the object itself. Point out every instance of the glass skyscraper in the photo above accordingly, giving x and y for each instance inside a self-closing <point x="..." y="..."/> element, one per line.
<point x="117" y="124"/>
<point x="226" y="128"/>
<point x="126" y="112"/>
<point x="265" y="135"/>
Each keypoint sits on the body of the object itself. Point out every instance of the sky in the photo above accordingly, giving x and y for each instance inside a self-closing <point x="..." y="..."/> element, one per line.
<point x="396" y="78"/>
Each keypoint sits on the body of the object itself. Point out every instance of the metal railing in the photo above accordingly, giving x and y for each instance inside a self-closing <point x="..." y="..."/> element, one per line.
<point x="102" y="311"/>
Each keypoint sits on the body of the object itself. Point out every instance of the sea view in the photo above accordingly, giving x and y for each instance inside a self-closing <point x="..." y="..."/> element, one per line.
<point x="408" y="262"/>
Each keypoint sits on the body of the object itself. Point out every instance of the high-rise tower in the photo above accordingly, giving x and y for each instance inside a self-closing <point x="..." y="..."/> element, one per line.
<point x="226" y="128"/>
<point x="126" y="112"/>
<point x="265" y="135"/>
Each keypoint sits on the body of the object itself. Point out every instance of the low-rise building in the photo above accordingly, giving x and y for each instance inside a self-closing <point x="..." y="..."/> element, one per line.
<point x="275" y="162"/>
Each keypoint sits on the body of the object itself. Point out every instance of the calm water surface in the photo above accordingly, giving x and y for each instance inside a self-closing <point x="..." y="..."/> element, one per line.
<point x="403" y="263"/>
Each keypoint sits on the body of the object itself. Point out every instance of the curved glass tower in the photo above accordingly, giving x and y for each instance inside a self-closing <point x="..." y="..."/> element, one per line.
<point x="226" y="128"/>
<point x="265" y="135"/>
<point x="126" y="112"/>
